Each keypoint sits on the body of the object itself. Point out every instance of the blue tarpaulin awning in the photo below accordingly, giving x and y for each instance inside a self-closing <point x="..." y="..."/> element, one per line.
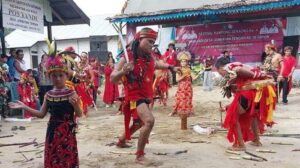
<point x="181" y="14"/>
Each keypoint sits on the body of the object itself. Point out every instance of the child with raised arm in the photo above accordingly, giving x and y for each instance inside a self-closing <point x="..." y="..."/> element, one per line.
<point x="61" y="103"/>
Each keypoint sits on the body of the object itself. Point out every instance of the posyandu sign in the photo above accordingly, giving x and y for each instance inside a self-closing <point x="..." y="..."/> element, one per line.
<point x="23" y="14"/>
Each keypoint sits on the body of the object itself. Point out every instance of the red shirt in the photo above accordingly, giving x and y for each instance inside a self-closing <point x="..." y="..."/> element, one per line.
<point x="141" y="86"/>
<point x="289" y="63"/>
<point x="171" y="58"/>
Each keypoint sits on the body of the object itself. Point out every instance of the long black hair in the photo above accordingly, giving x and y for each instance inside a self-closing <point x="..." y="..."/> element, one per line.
<point x="134" y="48"/>
<point x="109" y="55"/>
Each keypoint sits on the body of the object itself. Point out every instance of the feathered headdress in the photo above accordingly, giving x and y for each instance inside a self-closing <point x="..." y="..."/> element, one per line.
<point x="55" y="61"/>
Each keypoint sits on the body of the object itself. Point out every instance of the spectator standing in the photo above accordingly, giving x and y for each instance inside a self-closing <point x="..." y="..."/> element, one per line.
<point x="170" y="58"/>
<point x="95" y="65"/>
<point x="289" y="66"/>
<point x="111" y="91"/>
<point x="208" y="82"/>
<point x="44" y="82"/>
<point x="229" y="56"/>
<point x="19" y="65"/>
<point x="10" y="62"/>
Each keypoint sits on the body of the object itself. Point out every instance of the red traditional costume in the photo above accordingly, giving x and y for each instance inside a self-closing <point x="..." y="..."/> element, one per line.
<point x="26" y="93"/>
<point x="72" y="66"/>
<point x="256" y="95"/>
<point x="138" y="84"/>
<point x="161" y="85"/>
<point x="111" y="92"/>
<point x="184" y="95"/>
<point x="170" y="57"/>
<point x="83" y="87"/>
<point x="60" y="144"/>
<point x="157" y="56"/>
<point x="138" y="90"/>
<point x="161" y="82"/>
<point x="96" y="71"/>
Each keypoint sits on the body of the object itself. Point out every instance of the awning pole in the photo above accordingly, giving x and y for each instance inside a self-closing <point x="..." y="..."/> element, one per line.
<point x="49" y="30"/>
<point x="2" y="31"/>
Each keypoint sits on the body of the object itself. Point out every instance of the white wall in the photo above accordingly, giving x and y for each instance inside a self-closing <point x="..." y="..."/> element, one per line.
<point x="293" y="26"/>
<point x="164" y="38"/>
<point x="112" y="45"/>
<point x="78" y="44"/>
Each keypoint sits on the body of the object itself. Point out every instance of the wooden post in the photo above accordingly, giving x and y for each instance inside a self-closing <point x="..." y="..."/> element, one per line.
<point x="131" y="31"/>
<point x="183" y="121"/>
<point x="2" y="31"/>
<point x="49" y="30"/>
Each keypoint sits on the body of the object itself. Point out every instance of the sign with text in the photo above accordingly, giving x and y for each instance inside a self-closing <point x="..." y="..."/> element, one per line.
<point x="245" y="40"/>
<point x="23" y="14"/>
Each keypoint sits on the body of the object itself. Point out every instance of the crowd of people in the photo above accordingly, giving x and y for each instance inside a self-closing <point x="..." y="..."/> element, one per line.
<point x="146" y="76"/>
<point x="30" y="85"/>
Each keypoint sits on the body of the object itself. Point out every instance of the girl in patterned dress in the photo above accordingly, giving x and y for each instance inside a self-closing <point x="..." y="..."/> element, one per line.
<point x="61" y="103"/>
<point x="184" y="95"/>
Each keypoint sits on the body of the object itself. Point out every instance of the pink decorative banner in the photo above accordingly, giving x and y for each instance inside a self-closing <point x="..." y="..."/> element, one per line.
<point x="245" y="40"/>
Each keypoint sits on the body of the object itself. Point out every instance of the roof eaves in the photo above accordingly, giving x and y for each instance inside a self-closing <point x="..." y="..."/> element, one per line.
<point x="204" y="11"/>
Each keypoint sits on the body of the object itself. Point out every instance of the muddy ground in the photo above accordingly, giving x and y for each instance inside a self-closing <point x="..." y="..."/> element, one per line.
<point x="102" y="127"/>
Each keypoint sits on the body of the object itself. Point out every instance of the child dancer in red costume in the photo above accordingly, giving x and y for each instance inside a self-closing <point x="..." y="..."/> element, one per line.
<point x="61" y="103"/>
<point x="26" y="93"/>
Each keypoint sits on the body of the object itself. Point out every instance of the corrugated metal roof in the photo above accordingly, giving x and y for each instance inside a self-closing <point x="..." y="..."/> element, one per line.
<point x="140" y="6"/>
<point x="149" y="10"/>
<point x="98" y="26"/>
<point x="66" y="12"/>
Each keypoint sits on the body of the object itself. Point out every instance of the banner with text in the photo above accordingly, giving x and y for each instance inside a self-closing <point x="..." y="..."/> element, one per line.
<point x="245" y="40"/>
<point x="23" y="14"/>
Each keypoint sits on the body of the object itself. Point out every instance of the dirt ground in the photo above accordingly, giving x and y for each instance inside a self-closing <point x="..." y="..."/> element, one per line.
<point x="103" y="127"/>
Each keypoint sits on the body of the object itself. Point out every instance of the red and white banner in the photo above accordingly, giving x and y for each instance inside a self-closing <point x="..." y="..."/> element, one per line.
<point x="245" y="40"/>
